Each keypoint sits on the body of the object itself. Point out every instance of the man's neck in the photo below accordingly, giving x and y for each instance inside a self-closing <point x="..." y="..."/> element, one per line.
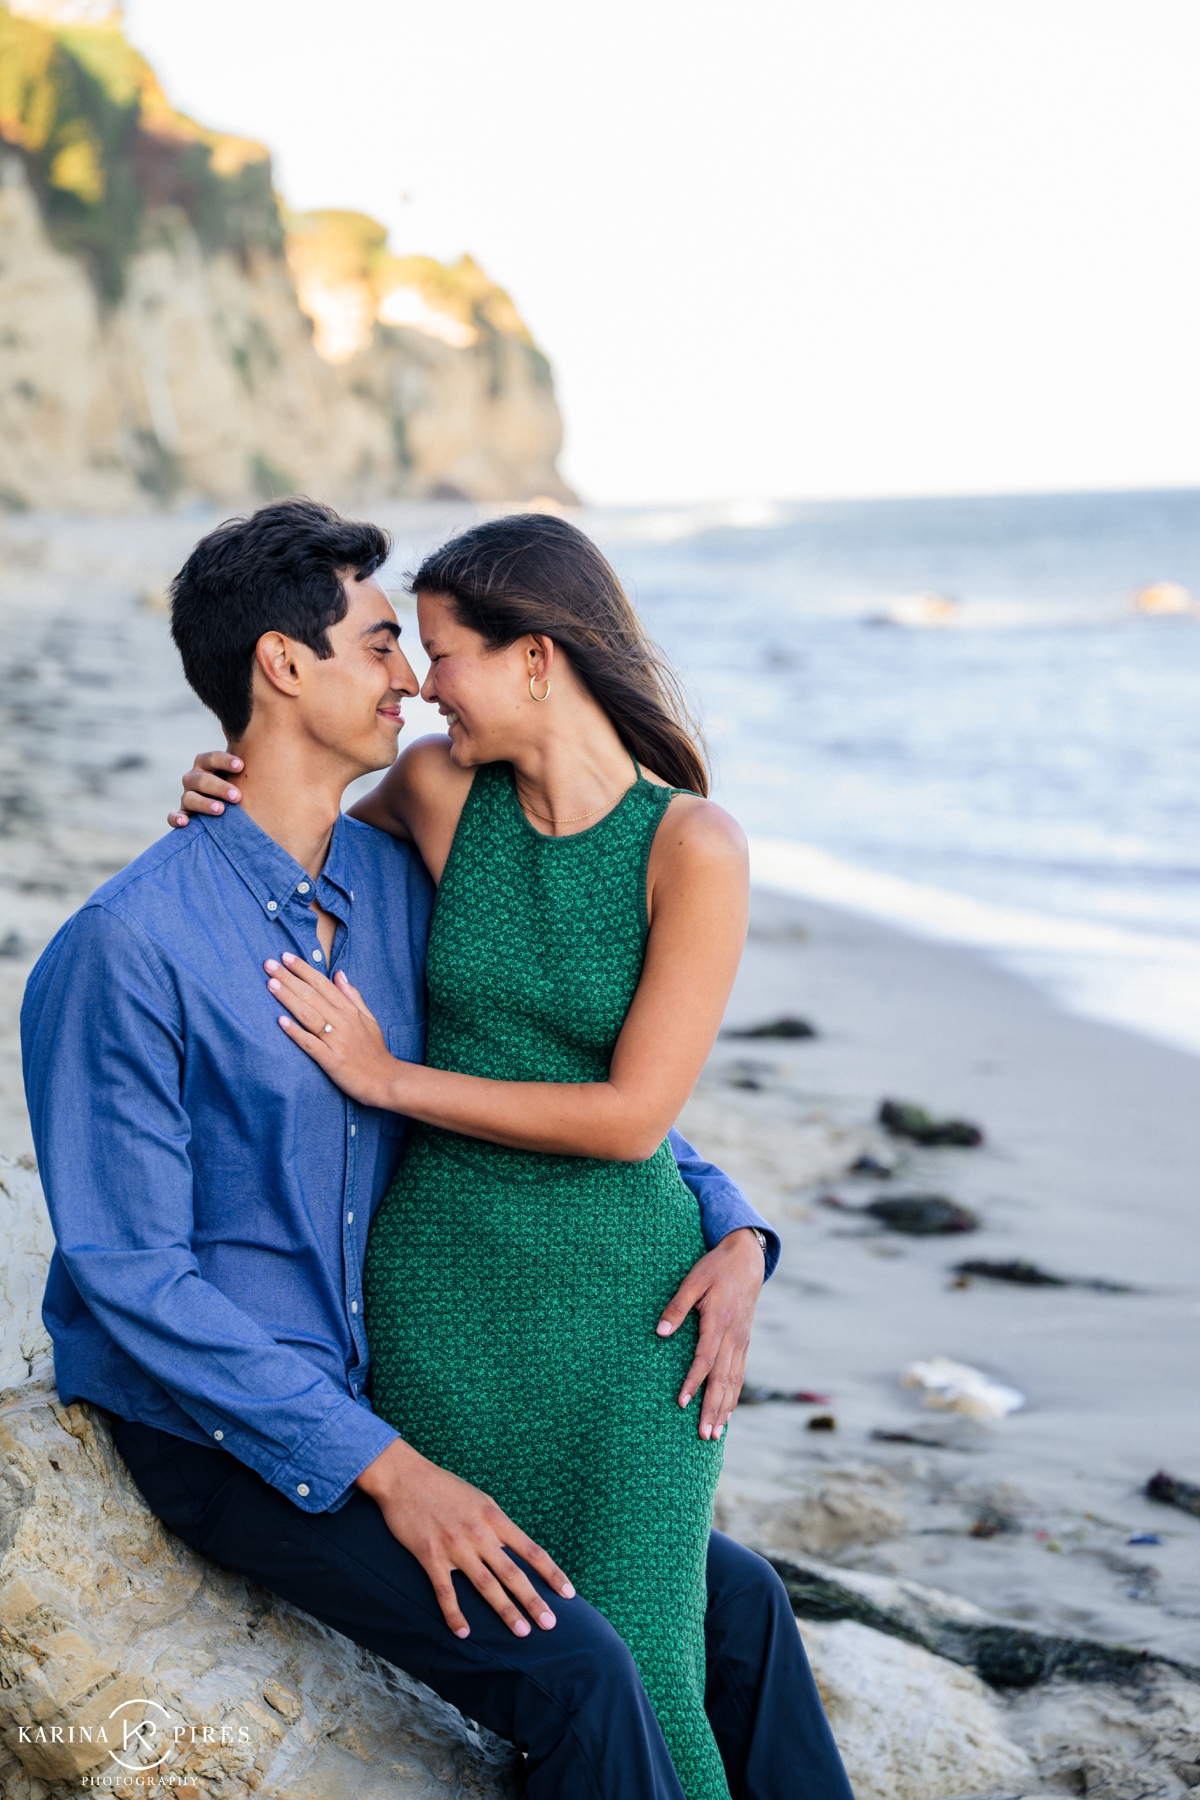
<point x="292" y="793"/>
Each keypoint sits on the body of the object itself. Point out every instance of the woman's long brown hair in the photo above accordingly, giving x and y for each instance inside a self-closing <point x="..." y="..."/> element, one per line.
<point x="532" y="574"/>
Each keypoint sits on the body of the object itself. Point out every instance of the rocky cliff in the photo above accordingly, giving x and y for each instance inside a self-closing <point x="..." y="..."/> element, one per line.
<point x="168" y="332"/>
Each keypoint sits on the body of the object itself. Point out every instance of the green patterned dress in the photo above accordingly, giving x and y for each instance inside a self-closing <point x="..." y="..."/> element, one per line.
<point x="512" y="1297"/>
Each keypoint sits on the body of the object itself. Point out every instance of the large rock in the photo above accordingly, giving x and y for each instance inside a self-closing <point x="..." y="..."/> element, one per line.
<point x="106" y="1619"/>
<point x="911" y="1726"/>
<point x="26" y="1245"/>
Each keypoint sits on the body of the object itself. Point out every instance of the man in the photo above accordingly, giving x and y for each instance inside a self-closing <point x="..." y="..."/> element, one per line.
<point x="211" y="1194"/>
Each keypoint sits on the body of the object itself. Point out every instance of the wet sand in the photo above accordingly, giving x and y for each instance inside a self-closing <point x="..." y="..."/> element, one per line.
<point x="1091" y="1166"/>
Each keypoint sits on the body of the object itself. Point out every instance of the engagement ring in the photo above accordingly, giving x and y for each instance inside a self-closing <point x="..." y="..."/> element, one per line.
<point x="327" y="1028"/>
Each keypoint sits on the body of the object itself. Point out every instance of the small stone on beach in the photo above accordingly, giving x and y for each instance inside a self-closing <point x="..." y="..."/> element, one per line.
<point x="922" y="1215"/>
<point x="870" y="1166"/>
<point x="786" y="1027"/>
<point x="822" y="1422"/>
<point x="905" y="1120"/>
<point x="1173" y="1492"/>
<point x="990" y="1522"/>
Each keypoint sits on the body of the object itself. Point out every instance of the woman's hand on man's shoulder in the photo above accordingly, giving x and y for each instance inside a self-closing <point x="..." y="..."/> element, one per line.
<point x="204" y="788"/>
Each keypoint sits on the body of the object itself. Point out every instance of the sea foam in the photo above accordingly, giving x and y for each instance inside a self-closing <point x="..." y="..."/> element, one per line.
<point x="1145" y="982"/>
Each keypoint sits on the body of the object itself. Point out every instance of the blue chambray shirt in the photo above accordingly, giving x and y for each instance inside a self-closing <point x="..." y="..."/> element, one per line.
<point x="210" y="1189"/>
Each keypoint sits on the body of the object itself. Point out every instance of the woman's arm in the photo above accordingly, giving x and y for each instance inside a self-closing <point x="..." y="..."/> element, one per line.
<point x="420" y="798"/>
<point x="698" y="891"/>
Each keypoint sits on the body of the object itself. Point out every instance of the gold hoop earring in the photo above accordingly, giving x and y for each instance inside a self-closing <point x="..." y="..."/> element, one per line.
<point x="534" y="696"/>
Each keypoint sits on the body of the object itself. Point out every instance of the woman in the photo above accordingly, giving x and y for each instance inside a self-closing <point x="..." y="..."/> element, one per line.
<point x="591" y="912"/>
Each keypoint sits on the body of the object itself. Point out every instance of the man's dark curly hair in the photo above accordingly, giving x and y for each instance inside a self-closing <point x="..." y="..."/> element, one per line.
<point x="275" y="571"/>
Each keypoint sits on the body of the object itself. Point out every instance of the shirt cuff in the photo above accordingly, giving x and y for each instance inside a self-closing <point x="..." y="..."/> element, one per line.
<point x="756" y="1222"/>
<point x="319" y="1476"/>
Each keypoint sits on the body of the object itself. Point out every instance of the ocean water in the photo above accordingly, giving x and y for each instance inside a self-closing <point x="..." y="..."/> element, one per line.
<point x="1018" y="770"/>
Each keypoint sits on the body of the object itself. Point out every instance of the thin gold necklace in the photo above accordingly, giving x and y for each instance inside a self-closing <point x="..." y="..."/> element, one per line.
<point x="579" y="817"/>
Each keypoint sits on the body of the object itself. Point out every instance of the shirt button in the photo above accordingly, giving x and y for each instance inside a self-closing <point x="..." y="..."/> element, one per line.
<point x="354" y="1306"/>
<point x="349" y="1218"/>
<point x="316" y="956"/>
<point x="218" y="1435"/>
<point x="272" y="906"/>
<point x="302" y="1490"/>
<point x="353" y="1130"/>
<point x="302" y="887"/>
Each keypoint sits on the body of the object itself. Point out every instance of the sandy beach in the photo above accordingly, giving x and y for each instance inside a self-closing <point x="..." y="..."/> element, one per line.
<point x="1089" y="1166"/>
<point x="1088" y="1169"/>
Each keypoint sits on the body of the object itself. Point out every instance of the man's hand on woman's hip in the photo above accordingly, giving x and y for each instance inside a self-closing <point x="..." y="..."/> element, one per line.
<point x="723" y="1287"/>
<point x="447" y="1524"/>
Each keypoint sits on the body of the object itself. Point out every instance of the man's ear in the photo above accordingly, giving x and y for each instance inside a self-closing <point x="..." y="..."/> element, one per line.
<point x="275" y="660"/>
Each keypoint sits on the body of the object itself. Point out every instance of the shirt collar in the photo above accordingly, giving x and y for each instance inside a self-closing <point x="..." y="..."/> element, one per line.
<point x="271" y="875"/>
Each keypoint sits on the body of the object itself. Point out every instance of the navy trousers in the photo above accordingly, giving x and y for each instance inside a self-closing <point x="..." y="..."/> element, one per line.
<point x="570" y="1698"/>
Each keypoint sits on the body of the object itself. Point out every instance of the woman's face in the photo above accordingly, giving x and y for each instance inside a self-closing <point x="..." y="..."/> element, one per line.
<point x="482" y="694"/>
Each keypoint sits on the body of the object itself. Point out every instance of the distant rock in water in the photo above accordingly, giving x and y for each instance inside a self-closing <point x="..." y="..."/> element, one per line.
<point x="905" y="1120"/>
<point x="922" y="1215"/>
<point x="1164" y="598"/>
<point x="169" y="334"/>
<point x="787" y="1027"/>
<point x="917" y="611"/>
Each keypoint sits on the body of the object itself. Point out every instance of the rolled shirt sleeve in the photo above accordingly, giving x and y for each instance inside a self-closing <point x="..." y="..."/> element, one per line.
<point x="104" y="1047"/>
<point x="723" y="1205"/>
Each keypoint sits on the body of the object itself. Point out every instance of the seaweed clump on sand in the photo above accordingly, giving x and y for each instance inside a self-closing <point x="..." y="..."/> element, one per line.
<point x="922" y="1215"/>
<point x="787" y="1028"/>
<point x="1173" y="1492"/>
<point x="1020" y="1273"/>
<point x="1005" y="1656"/>
<point x="902" y="1119"/>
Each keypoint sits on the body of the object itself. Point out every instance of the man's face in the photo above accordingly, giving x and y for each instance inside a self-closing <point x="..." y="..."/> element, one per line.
<point x="350" y="702"/>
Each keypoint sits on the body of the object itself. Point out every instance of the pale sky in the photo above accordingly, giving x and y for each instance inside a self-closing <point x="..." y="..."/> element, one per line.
<point x="777" y="248"/>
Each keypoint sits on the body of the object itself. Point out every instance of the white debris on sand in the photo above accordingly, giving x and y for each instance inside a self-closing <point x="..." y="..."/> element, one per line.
<point x="956" y="1387"/>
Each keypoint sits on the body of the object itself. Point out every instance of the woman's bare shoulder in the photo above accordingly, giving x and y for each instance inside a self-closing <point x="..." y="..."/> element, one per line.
<point x="424" y="775"/>
<point x="696" y="832"/>
<point x="428" y="759"/>
<point x="707" y="827"/>
<point x="698" y="825"/>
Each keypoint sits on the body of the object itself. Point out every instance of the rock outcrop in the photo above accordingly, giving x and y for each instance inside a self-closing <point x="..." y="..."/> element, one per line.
<point x="26" y="1245"/>
<point x="911" y="1726"/>
<point x="107" y="1622"/>
<point x="165" y="333"/>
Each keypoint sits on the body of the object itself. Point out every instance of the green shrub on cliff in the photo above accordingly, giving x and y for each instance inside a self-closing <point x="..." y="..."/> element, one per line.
<point x="101" y="144"/>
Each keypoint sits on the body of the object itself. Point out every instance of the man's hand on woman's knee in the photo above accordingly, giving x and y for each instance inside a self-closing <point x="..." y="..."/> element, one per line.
<point x="447" y="1524"/>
